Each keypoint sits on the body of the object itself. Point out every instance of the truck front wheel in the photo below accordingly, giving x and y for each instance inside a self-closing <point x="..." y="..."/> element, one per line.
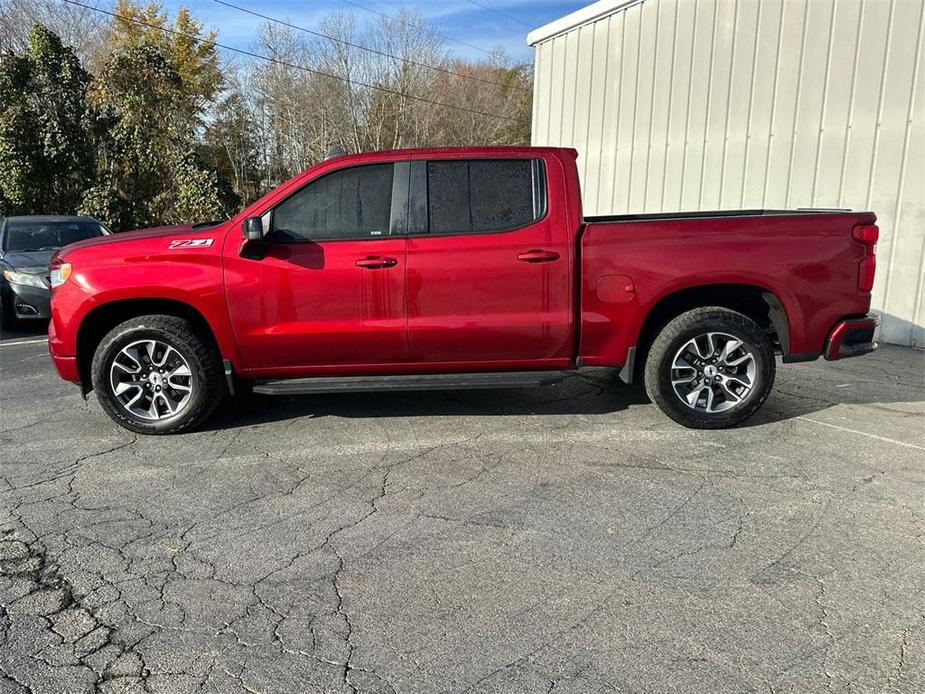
<point x="156" y="375"/>
<point x="710" y="368"/>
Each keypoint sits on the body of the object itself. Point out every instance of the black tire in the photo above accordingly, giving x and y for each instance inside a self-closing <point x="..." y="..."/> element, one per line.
<point x="678" y="333"/>
<point x="205" y="379"/>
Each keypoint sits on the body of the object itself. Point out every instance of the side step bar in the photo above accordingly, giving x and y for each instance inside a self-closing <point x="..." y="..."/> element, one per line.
<point x="365" y="384"/>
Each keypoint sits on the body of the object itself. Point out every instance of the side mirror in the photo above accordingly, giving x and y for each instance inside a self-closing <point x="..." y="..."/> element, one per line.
<point x="253" y="229"/>
<point x="252" y="248"/>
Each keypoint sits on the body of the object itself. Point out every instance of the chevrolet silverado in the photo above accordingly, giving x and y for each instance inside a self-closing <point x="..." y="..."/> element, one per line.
<point x="456" y="268"/>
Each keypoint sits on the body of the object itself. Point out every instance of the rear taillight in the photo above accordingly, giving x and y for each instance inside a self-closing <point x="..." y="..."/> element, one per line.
<point x="866" y="271"/>
<point x="867" y="234"/>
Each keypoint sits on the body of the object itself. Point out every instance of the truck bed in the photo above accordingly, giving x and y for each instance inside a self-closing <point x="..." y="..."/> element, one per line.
<point x="805" y="261"/>
<point x="705" y="214"/>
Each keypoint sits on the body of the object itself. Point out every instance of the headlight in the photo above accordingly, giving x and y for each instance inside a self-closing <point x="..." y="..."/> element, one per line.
<point x="59" y="274"/>
<point x="26" y="278"/>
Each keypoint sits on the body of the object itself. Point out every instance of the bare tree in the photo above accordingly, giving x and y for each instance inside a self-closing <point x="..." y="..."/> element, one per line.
<point x="383" y="84"/>
<point x="232" y="139"/>
<point x="78" y="27"/>
<point x="494" y="87"/>
<point x="417" y="58"/>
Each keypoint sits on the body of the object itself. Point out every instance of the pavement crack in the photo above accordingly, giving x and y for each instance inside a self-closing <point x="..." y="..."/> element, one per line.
<point x="46" y="595"/>
<point x="898" y="674"/>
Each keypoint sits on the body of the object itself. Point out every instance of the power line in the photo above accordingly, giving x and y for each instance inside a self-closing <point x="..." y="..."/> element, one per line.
<point x="499" y="12"/>
<point x="283" y="63"/>
<point x="365" y="48"/>
<point x="417" y="26"/>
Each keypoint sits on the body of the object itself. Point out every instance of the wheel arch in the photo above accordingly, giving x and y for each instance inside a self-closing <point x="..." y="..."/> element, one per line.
<point x="758" y="303"/>
<point x="103" y="318"/>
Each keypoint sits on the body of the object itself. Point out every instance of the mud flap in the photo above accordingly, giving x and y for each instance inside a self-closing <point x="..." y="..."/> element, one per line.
<point x="626" y="373"/>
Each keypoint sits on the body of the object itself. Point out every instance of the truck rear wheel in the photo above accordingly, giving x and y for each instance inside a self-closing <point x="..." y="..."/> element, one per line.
<point x="156" y="375"/>
<point x="710" y="368"/>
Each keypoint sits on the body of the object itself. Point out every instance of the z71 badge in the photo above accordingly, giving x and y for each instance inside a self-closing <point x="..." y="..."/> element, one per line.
<point x="191" y="243"/>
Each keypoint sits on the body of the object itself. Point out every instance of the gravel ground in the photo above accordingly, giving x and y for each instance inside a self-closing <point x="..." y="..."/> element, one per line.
<point x="570" y="539"/>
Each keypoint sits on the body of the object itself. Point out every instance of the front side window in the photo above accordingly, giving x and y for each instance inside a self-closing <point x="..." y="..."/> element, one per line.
<point x="485" y="195"/>
<point x="350" y="203"/>
<point x="30" y="235"/>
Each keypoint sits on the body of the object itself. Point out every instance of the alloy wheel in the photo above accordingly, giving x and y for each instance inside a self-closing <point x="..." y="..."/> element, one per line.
<point x="713" y="372"/>
<point x="151" y="380"/>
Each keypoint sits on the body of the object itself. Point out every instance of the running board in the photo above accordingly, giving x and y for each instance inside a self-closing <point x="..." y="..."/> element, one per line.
<point x="366" y="384"/>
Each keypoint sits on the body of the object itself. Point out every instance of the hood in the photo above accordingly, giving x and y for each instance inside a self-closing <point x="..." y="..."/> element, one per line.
<point x="28" y="260"/>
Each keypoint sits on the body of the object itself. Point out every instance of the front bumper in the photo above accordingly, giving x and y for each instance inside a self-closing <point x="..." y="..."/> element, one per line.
<point x="64" y="365"/>
<point x="852" y="337"/>
<point x="28" y="302"/>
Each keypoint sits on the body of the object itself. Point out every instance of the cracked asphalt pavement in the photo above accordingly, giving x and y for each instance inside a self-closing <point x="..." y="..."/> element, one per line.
<point x="569" y="539"/>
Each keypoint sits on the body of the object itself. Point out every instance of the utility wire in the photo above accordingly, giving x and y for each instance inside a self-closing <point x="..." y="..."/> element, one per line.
<point x="499" y="12"/>
<point x="417" y="26"/>
<point x="364" y="48"/>
<point x="268" y="59"/>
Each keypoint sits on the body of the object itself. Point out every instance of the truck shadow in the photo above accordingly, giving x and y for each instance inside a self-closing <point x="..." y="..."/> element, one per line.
<point x="891" y="375"/>
<point x="585" y="394"/>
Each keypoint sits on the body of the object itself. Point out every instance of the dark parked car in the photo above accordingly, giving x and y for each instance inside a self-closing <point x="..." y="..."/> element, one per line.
<point x="26" y="247"/>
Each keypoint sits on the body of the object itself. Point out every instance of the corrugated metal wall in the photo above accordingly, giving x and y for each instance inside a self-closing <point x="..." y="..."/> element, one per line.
<point x="706" y="104"/>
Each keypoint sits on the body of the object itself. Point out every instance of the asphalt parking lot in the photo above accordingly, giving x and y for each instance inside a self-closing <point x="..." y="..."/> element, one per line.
<point x="570" y="539"/>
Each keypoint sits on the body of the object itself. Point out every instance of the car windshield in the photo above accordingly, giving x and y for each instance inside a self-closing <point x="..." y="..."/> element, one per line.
<point x="27" y="235"/>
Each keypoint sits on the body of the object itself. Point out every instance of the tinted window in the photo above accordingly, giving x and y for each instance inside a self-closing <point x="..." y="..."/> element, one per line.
<point x="482" y="195"/>
<point x="448" y="196"/>
<point x="28" y="235"/>
<point x="344" y="204"/>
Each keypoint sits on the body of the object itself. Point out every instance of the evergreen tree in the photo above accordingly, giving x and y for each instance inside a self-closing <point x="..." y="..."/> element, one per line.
<point x="188" y="50"/>
<point x="148" y="171"/>
<point x="46" y="143"/>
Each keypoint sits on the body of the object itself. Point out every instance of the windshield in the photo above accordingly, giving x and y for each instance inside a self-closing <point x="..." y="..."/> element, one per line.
<point x="25" y="235"/>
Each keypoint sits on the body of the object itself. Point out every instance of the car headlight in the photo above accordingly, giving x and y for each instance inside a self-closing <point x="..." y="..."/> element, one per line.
<point x="26" y="278"/>
<point x="59" y="274"/>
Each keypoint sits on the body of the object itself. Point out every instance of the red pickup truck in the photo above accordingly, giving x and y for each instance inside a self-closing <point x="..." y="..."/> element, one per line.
<point x="456" y="268"/>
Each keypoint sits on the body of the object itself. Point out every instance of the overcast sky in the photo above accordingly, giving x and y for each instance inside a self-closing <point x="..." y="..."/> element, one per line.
<point x="464" y="20"/>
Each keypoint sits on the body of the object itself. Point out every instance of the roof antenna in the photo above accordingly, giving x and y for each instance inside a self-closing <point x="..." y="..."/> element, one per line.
<point x="335" y="151"/>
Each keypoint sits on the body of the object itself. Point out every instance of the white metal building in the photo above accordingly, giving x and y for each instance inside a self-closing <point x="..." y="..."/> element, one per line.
<point x="709" y="104"/>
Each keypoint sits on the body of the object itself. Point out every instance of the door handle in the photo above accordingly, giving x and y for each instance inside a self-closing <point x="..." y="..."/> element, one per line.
<point x="375" y="262"/>
<point x="536" y="255"/>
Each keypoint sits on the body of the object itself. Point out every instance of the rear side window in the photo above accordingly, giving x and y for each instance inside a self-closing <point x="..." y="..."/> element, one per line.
<point x="477" y="196"/>
<point x="349" y="203"/>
